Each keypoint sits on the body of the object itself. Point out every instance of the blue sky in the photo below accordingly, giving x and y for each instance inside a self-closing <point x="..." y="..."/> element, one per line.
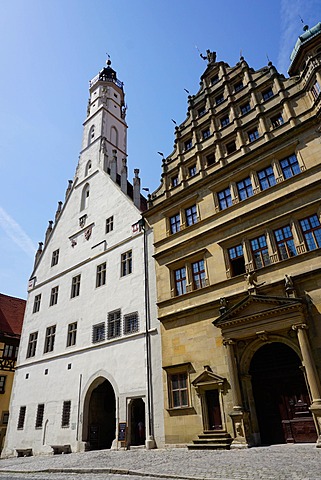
<point x="50" y="49"/>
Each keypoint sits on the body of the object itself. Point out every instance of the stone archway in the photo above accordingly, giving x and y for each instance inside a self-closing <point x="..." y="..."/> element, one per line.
<point x="99" y="427"/>
<point x="280" y="395"/>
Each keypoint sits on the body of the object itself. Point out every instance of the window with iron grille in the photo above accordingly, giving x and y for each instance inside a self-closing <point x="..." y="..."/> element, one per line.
<point x="36" y="303"/>
<point x="99" y="332"/>
<point x="71" y="334"/>
<point x="50" y="339"/>
<point x="199" y="276"/>
<point x="178" y="391"/>
<point x="180" y="281"/>
<point x="126" y="263"/>
<point x="285" y="242"/>
<point x="224" y="198"/>
<point x="55" y="258"/>
<point x="236" y="259"/>
<point x="244" y="188"/>
<point x="191" y="215"/>
<point x="131" y="323"/>
<point x="266" y="178"/>
<point x="32" y="345"/>
<point x="21" y="418"/>
<point x="290" y="166"/>
<point x="113" y="324"/>
<point x="75" y="286"/>
<point x="101" y="275"/>
<point x="54" y="296"/>
<point x="65" y="417"/>
<point x="175" y="223"/>
<point x="260" y="252"/>
<point x="39" y="416"/>
<point x="3" y="379"/>
<point x="311" y="229"/>
<point x="109" y="224"/>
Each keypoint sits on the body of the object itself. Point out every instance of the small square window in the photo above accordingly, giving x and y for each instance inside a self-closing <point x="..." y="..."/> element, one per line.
<point x="206" y="134"/>
<point x="131" y="323"/>
<point x="214" y="80"/>
<point x="36" y="304"/>
<point x="210" y="159"/>
<point x="99" y="332"/>
<point x="245" y="108"/>
<point x="266" y="94"/>
<point x="230" y="147"/>
<point x="126" y="263"/>
<point x="201" y="111"/>
<point x="238" y="86"/>
<point x="55" y="258"/>
<point x="225" y="121"/>
<point x="110" y="224"/>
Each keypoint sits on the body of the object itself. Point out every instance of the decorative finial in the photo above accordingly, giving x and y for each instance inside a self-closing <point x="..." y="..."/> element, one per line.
<point x="108" y="62"/>
<point x="305" y="27"/>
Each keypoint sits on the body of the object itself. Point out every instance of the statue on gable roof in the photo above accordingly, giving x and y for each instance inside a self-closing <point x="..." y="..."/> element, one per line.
<point x="210" y="56"/>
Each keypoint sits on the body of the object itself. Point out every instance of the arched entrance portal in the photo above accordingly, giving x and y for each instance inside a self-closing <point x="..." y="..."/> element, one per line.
<point x="101" y="415"/>
<point x="137" y="422"/>
<point x="281" y="396"/>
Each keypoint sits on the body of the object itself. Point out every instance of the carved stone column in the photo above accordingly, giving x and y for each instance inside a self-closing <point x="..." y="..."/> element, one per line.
<point x="311" y="374"/>
<point x="238" y="415"/>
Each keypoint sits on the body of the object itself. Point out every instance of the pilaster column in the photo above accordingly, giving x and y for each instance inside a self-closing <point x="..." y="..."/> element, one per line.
<point x="312" y="375"/>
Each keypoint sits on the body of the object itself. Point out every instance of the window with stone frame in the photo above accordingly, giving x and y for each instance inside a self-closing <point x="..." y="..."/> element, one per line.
<point x="199" y="274"/>
<point x="219" y="99"/>
<point x="210" y="159"/>
<point x="21" y="418"/>
<point x="238" y="86"/>
<point x="316" y="90"/>
<point x="260" y="252"/>
<point x="55" y="257"/>
<point x="253" y="134"/>
<point x="244" y="188"/>
<point x="39" y="415"/>
<point x="54" y="296"/>
<point x="245" y="108"/>
<point x="174" y="181"/>
<point x="201" y="111"/>
<point x="131" y="324"/>
<point x="75" y="286"/>
<point x="114" y="324"/>
<point x="285" y="243"/>
<point x="277" y="120"/>
<point x="50" y="339"/>
<point x="101" y="275"/>
<point x="36" y="303"/>
<point x="71" y="334"/>
<point x="175" y="223"/>
<point x="99" y="332"/>
<point x="311" y="229"/>
<point x="188" y="144"/>
<point x="192" y="171"/>
<point x="225" y="121"/>
<point x="3" y="379"/>
<point x="224" y="198"/>
<point x="214" y="79"/>
<point x="180" y="281"/>
<point x="32" y="345"/>
<point x="236" y="260"/>
<point x="230" y="147"/>
<point x="65" y="416"/>
<point x="178" y="390"/>
<point x="110" y="224"/>
<point x="126" y="263"/>
<point x="290" y="166"/>
<point x="267" y="93"/>
<point x="206" y="133"/>
<point x="266" y="178"/>
<point x="191" y="215"/>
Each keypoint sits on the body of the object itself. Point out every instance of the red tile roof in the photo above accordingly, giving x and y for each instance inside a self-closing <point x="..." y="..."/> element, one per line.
<point x="11" y="314"/>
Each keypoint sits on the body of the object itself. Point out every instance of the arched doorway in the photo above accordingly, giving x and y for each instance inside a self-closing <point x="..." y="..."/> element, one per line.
<point x="100" y="408"/>
<point x="137" y="422"/>
<point x="281" y="396"/>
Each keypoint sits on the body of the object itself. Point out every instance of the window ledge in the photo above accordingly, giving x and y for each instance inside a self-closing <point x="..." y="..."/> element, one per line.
<point x="181" y="411"/>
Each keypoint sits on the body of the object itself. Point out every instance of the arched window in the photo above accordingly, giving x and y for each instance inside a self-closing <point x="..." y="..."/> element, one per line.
<point x="91" y="135"/>
<point x="114" y="136"/>
<point x="88" y="168"/>
<point x="84" y="197"/>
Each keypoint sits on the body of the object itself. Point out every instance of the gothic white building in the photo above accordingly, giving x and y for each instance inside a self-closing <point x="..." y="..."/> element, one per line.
<point x="89" y="368"/>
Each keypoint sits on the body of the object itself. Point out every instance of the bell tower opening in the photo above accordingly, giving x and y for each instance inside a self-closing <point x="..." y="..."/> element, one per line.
<point x="281" y="396"/>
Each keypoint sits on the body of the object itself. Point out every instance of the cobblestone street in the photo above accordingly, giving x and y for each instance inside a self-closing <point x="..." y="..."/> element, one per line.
<point x="282" y="462"/>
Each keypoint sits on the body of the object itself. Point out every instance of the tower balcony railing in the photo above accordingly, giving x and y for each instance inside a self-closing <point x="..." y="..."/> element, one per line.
<point x="105" y="78"/>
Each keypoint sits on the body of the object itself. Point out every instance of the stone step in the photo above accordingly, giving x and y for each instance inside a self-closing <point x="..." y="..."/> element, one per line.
<point x="208" y="446"/>
<point x="215" y="435"/>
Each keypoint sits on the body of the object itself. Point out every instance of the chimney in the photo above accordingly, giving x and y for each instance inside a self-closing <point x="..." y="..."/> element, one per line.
<point x="136" y="185"/>
<point x="113" y="166"/>
<point x="48" y="231"/>
<point x="58" y="212"/>
<point x="123" y="176"/>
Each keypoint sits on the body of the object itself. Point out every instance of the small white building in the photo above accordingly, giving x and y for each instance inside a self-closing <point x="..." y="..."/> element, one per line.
<point x="89" y="367"/>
